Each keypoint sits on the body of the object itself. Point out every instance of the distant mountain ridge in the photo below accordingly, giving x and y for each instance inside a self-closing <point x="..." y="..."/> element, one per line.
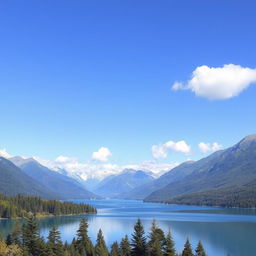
<point x="59" y="184"/>
<point x="226" y="170"/>
<point x="115" y="186"/>
<point x="145" y="190"/>
<point x="13" y="182"/>
<point x="226" y="177"/>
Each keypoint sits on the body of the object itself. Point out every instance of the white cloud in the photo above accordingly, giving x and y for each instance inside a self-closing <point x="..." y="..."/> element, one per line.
<point x="218" y="83"/>
<point x="102" y="154"/>
<point x="209" y="147"/>
<point x="155" y="167"/>
<point x="161" y="151"/>
<point x="65" y="159"/>
<point x="90" y="169"/>
<point x="4" y="153"/>
<point x="180" y="146"/>
<point x="87" y="170"/>
<point x="81" y="170"/>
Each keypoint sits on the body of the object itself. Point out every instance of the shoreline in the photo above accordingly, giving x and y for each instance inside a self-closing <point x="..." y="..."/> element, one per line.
<point x="41" y="216"/>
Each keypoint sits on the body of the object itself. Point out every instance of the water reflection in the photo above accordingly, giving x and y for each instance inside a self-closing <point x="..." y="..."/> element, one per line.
<point x="221" y="232"/>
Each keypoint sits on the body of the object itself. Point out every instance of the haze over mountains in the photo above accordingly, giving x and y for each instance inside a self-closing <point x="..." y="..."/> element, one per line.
<point x="221" y="178"/>
<point x="53" y="181"/>
<point x="174" y="175"/>
<point x="28" y="177"/>
<point x="116" y="186"/>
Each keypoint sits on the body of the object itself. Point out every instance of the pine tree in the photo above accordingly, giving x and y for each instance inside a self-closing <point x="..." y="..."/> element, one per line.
<point x="30" y="236"/>
<point x="54" y="242"/>
<point x="169" y="245"/>
<point x="139" y="246"/>
<point x="83" y="242"/>
<point x="200" y="249"/>
<point x="115" y="250"/>
<point x="101" y="248"/>
<point x="43" y="248"/>
<point x="72" y="250"/>
<point x="33" y="244"/>
<point x="16" y="234"/>
<point x="155" y="242"/>
<point x="125" y="247"/>
<point x="187" y="251"/>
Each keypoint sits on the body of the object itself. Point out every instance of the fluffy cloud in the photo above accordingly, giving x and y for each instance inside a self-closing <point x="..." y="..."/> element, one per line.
<point x="65" y="159"/>
<point x="180" y="146"/>
<point x="155" y="167"/>
<point x="90" y="170"/>
<point x="4" y="153"/>
<point x="81" y="170"/>
<point x="102" y="154"/>
<point x="218" y="83"/>
<point x="161" y="151"/>
<point x="209" y="147"/>
<point x="93" y="170"/>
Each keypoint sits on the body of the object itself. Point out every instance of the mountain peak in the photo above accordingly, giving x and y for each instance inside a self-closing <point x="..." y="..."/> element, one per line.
<point x="128" y="170"/>
<point x="251" y="137"/>
<point x="247" y="142"/>
<point x="136" y="173"/>
<point x="18" y="160"/>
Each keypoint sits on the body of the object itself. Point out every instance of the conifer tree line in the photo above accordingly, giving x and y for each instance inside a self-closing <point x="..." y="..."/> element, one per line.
<point x="23" y="206"/>
<point x="26" y="241"/>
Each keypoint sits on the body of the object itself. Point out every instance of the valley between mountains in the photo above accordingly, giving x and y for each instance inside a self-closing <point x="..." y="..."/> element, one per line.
<point x="224" y="178"/>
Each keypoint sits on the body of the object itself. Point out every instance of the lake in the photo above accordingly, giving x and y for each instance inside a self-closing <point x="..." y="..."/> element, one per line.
<point x="221" y="230"/>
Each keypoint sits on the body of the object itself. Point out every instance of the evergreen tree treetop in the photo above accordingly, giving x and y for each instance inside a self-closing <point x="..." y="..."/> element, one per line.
<point x="156" y="238"/>
<point x="101" y="248"/>
<point x="54" y="242"/>
<point x="139" y="243"/>
<point x="115" y="250"/>
<point x="83" y="243"/>
<point x="125" y="247"/>
<point x="187" y="251"/>
<point x="200" y="250"/>
<point x="169" y="249"/>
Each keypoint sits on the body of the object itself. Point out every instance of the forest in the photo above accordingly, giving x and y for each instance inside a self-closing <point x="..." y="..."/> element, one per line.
<point x="23" y="206"/>
<point x="26" y="241"/>
<point x="240" y="197"/>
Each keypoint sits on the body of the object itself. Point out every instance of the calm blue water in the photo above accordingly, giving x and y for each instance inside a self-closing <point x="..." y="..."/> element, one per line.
<point x="220" y="230"/>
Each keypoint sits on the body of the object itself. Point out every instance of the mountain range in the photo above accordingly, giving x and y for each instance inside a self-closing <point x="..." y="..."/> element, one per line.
<point x="28" y="177"/>
<point x="116" y="186"/>
<point x="146" y="189"/>
<point x="229" y="174"/>
<point x="226" y="177"/>
<point x="13" y="182"/>
<point x="55" y="182"/>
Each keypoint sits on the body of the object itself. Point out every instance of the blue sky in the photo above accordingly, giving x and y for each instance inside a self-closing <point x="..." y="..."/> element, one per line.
<point x="76" y="76"/>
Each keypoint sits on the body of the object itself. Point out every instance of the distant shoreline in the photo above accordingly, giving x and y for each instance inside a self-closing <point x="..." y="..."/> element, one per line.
<point x="41" y="216"/>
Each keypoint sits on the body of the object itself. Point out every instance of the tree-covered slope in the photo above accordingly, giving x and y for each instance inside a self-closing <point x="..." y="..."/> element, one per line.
<point x="145" y="190"/>
<point x="13" y="182"/>
<point x="237" y="196"/>
<point x="231" y="168"/>
<point x="67" y="187"/>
